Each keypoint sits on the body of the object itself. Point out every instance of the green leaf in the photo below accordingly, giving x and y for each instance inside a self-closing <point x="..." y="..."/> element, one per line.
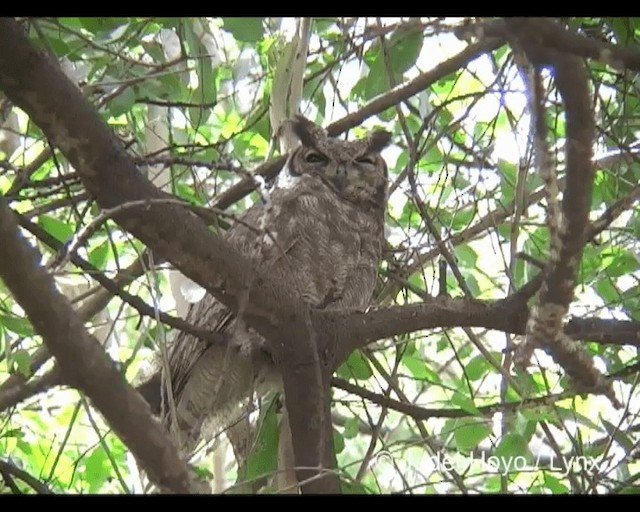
<point x="467" y="256"/>
<point x="203" y="472"/>
<point x="21" y="326"/>
<point x="96" y="469"/>
<point x="338" y="441"/>
<point x="512" y="446"/>
<point x="248" y="30"/>
<point x="73" y="23"/>
<point x="419" y="369"/>
<point x="461" y="219"/>
<point x="539" y="414"/>
<point x="204" y="95"/>
<point x="356" y="367"/>
<point x="13" y="432"/>
<point x="622" y="29"/>
<point x="553" y="484"/>
<point x="477" y="368"/>
<point x="508" y="177"/>
<point x="619" y="436"/>
<point x="61" y="48"/>
<point x="465" y="403"/>
<point x="122" y="103"/>
<point x="353" y="487"/>
<point x="470" y="280"/>
<point x="607" y="290"/>
<point x="261" y="125"/>
<point x="22" y="359"/>
<point x="155" y="51"/>
<point x="264" y="458"/>
<point x="351" y="428"/>
<point x="377" y="81"/>
<point x="98" y="255"/>
<point x="24" y="447"/>
<point x="93" y="25"/>
<point x="468" y="433"/>
<point x="172" y="86"/>
<point x="623" y="263"/>
<point x="358" y="91"/>
<point x="59" y="230"/>
<point x="525" y="427"/>
<point x="404" y="49"/>
<point x="493" y="484"/>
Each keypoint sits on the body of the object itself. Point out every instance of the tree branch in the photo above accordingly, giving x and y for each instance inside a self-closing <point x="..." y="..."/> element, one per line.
<point x="7" y="468"/>
<point x="424" y="413"/>
<point x="18" y="390"/>
<point x="364" y="328"/>
<point x="552" y="35"/>
<point x="508" y="315"/>
<point x="36" y="84"/>
<point x="568" y="230"/>
<point x="418" y="84"/>
<point x="116" y="286"/>
<point x="62" y="331"/>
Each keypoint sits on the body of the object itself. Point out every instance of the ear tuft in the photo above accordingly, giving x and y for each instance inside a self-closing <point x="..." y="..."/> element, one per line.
<point x="307" y="131"/>
<point x="378" y="140"/>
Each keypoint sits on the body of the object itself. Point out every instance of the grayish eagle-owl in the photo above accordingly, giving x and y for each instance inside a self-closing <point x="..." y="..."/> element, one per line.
<point x="320" y="232"/>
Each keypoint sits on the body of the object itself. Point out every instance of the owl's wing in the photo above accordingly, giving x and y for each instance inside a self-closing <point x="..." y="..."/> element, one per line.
<point x="206" y="377"/>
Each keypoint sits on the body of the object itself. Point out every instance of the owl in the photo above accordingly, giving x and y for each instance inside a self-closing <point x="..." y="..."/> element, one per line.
<point x="321" y="233"/>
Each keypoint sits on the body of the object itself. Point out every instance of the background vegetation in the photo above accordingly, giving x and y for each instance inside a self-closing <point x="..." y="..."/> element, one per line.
<point x="474" y="106"/>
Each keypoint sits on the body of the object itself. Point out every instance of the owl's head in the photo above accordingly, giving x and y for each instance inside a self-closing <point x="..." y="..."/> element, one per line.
<point x="354" y="170"/>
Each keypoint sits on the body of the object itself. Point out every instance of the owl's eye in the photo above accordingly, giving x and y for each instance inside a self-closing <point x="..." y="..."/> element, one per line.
<point x="369" y="160"/>
<point x="315" y="158"/>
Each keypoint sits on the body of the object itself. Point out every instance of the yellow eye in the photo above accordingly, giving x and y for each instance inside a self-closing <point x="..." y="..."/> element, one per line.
<point x="315" y="158"/>
<point x="369" y="160"/>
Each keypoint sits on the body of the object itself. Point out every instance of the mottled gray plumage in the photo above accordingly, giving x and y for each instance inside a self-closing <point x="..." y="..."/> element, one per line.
<point x="321" y="233"/>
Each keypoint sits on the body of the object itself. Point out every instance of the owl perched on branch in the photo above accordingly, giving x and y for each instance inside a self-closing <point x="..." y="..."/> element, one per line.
<point x="320" y="232"/>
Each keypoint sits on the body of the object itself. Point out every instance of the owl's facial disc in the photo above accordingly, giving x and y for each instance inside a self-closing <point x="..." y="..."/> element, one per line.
<point x="355" y="170"/>
<point x="314" y="161"/>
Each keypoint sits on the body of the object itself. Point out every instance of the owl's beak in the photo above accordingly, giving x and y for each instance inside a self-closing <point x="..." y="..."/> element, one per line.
<point x="340" y="179"/>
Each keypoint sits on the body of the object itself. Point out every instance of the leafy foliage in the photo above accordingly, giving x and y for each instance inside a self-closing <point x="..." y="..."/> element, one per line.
<point x="448" y="413"/>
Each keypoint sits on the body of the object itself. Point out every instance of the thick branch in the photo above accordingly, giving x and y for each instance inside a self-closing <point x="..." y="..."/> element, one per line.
<point x="66" y="338"/>
<point x="508" y="315"/>
<point x="37" y="85"/>
<point x="568" y="232"/>
<point x="572" y="82"/>
<point x="363" y="328"/>
<point x="18" y="390"/>
<point x="552" y="35"/>
<point x="604" y="330"/>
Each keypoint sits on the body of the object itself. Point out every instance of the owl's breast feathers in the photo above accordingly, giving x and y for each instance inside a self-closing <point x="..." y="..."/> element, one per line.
<point x="321" y="239"/>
